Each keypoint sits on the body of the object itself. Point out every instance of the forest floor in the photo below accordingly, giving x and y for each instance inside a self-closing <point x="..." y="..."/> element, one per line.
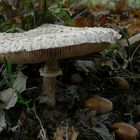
<point x="97" y="97"/>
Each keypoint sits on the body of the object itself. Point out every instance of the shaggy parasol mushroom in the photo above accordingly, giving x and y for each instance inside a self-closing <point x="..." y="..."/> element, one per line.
<point x="49" y="43"/>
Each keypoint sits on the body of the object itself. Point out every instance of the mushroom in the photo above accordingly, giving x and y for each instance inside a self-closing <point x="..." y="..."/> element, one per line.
<point x="100" y="104"/>
<point x="121" y="83"/>
<point x="49" y="43"/>
<point x="124" y="131"/>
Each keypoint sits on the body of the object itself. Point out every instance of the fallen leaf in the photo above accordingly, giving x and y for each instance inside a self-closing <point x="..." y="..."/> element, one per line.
<point x="82" y="22"/>
<point x="74" y="134"/>
<point x="108" y="63"/>
<point x="65" y="132"/>
<point x="84" y="65"/>
<point x="58" y="135"/>
<point x="8" y="96"/>
<point x="121" y="6"/>
<point x="132" y="26"/>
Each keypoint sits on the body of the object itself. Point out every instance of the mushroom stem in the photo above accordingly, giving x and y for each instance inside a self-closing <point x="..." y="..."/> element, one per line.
<point x="48" y="91"/>
<point x="49" y="73"/>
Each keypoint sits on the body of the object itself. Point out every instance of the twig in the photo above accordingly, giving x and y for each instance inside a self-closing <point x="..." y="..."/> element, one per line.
<point x="43" y="134"/>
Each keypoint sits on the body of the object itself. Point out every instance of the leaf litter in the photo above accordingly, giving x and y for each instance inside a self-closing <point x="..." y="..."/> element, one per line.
<point x="70" y="120"/>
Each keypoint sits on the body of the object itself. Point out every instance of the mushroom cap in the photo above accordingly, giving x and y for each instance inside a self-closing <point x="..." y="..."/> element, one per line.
<point x="125" y="131"/>
<point x="54" y="41"/>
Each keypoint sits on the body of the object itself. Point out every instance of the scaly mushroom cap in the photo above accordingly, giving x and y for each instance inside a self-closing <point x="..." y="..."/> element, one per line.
<point x="54" y="41"/>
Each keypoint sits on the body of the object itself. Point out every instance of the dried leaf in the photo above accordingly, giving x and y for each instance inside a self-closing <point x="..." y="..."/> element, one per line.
<point x="8" y="96"/>
<point x="121" y="6"/>
<point x="74" y="134"/>
<point x="61" y="133"/>
<point x="84" y="65"/>
<point x="82" y="22"/>
<point x="108" y="63"/>
<point x="58" y="135"/>
<point x="132" y="26"/>
<point x="103" y="132"/>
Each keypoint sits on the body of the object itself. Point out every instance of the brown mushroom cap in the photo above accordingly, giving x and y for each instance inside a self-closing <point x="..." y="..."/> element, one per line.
<point x="54" y="41"/>
<point x="100" y="104"/>
<point x="124" y="131"/>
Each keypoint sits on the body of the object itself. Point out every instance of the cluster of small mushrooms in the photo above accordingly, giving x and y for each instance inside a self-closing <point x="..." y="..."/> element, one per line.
<point x="49" y="43"/>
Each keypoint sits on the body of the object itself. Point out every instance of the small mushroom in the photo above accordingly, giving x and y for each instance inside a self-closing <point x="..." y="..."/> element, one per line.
<point x="76" y="78"/>
<point x="100" y="104"/>
<point x="121" y="83"/>
<point x="49" y="43"/>
<point x="124" y="131"/>
<point x="137" y="125"/>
